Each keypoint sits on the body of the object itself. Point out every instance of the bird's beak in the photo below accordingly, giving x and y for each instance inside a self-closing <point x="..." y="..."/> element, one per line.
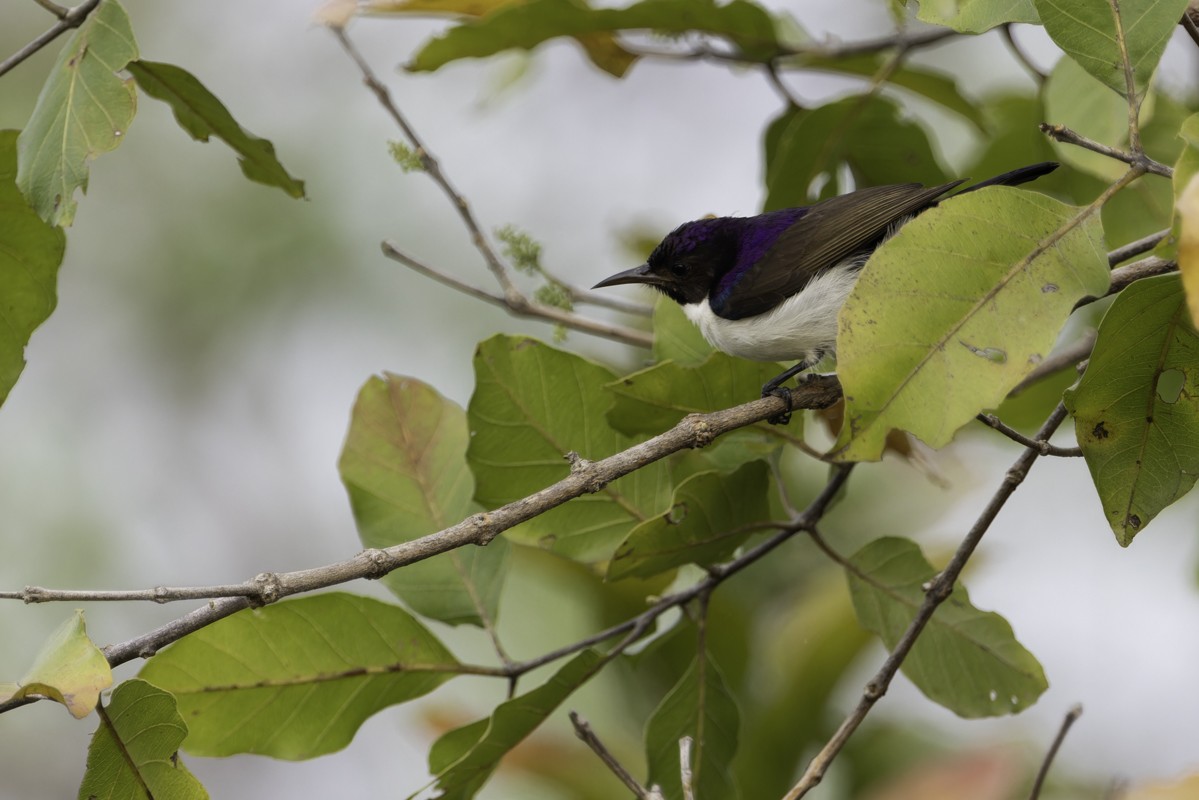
<point x="639" y="274"/>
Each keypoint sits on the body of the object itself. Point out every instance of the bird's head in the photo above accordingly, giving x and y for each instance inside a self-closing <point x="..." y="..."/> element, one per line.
<point x="689" y="261"/>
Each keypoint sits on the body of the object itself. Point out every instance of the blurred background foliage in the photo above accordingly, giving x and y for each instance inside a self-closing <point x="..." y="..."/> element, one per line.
<point x="181" y="413"/>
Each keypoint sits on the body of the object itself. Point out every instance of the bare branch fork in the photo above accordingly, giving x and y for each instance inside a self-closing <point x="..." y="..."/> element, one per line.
<point x="510" y="296"/>
<point x="67" y="19"/>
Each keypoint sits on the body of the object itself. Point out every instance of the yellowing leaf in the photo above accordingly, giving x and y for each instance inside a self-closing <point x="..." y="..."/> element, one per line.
<point x="952" y="312"/>
<point x="69" y="669"/>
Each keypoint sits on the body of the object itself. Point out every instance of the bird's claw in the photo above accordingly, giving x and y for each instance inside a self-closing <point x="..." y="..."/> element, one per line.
<point x="783" y="393"/>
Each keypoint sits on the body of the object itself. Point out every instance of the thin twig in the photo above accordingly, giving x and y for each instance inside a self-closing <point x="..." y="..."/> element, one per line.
<point x="1021" y="56"/>
<point x="70" y="19"/>
<point x="1128" y="274"/>
<point x="1190" y="27"/>
<point x="510" y="295"/>
<point x="1125" y="276"/>
<point x="53" y="8"/>
<point x="1045" y="448"/>
<point x="938" y="591"/>
<point x="1073" y="714"/>
<point x="158" y="594"/>
<point x="584" y="732"/>
<point x="1060" y="133"/>
<point x="1131" y="249"/>
<point x="524" y="307"/>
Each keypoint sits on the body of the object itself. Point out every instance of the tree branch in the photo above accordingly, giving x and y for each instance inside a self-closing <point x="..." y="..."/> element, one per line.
<point x="696" y="430"/>
<point x="584" y="732"/>
<point x="70" y="19"/>
<point x="523" y="307"/>
<point x="1042" y="446"/>
<point x="1073" y="714"/>
<point x="1060" y="133"/>
<point x="510" y="296"/>
<point x="1136" y="248"/>
<point x="938" y="591"/>
<point x="1018" y="52"/>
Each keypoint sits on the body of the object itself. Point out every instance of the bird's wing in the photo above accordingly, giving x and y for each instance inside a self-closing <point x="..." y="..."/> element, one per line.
<point x="830" y="232"/>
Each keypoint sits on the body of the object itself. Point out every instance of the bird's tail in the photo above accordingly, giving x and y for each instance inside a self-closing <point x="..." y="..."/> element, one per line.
<point x="1017" y="176"/>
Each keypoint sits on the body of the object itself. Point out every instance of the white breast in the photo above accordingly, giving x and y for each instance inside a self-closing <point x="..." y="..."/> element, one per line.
<point x="797" y="328"/>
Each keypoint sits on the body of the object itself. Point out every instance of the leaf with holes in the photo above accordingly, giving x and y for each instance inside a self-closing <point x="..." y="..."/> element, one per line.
<point x="967" y="660"/>
<point x="296" y="679"/>
<point x="1136" y="409"/>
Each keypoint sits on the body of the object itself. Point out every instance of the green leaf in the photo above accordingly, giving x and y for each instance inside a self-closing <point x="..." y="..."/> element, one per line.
<point x="865" y="133"/>
<point x="656" y="398"/>
<point x="202" y="115"/>
<point x="929" y="84"/>
<point x="1089" y="34"/>
<point x="527" y="25"/>
<point x="994" y="274"/>
<point x="69" y="669"/>
<point x="676" y="337"/>
<point x="29" y="261"/>
<point x="1136" y="410"/>
<point x="705" y="524"/>
<point x="1077" y="100"/>
<point x="296" y="679"/>
<point x="531" y="406"/>
<point x="966" y="660"/>
<point x="134" y="751"/>
<point x="464" y="759"/>
<point x="976" y="16"/>
<point x="83" y="110"/>
<point x="1010" y="116"/>
<point x="602" y="48"/>
<point x="700" y="706"/>
<point x="808" y="646"/>
<point x="404" y="467"/>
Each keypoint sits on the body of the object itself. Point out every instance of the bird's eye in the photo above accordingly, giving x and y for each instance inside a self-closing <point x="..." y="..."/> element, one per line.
<point x="679" y="270"/>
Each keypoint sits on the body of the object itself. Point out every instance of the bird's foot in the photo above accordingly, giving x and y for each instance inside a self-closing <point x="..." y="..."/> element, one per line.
<point x="782" y="392"/>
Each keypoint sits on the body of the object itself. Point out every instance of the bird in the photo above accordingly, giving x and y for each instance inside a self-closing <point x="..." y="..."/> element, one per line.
<point x="769" y="287"/>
